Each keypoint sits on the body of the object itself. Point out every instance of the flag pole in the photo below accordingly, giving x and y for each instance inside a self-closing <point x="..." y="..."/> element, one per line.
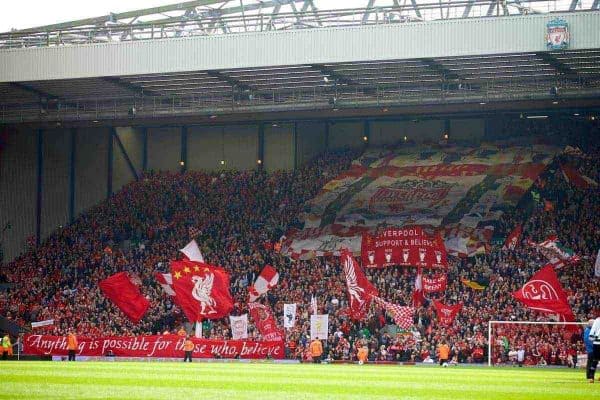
<point x="198" y="332"/>
<point x="489" y="343"/>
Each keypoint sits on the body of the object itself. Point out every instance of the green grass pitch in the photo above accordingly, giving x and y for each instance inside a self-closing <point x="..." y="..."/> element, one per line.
<point x="264" y="381"/>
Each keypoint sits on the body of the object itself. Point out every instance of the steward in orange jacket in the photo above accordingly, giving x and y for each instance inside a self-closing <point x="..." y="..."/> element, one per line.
<point x="316" y="350"/>
<point x="72" y="345"/>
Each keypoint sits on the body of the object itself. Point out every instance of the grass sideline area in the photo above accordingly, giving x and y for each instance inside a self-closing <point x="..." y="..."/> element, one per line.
<point x="263" y="381"/>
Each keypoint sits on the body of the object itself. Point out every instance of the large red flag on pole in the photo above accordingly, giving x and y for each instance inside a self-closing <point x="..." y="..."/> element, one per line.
<point x="543" y="292"/>
<point x="201" y="290"/>
<point x="127" y="296"/>
<point x="360" y="290"/>
<point x="418" y="297"/>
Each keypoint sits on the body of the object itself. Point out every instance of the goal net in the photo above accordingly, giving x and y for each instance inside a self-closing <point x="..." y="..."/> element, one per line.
<point x="535" y="343"/>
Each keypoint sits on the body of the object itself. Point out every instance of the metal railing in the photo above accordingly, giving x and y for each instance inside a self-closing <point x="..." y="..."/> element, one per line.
<point x="317" y="98"/>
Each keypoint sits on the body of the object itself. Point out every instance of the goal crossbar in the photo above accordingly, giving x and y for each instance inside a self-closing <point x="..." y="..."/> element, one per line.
<point x="490" y="323"/>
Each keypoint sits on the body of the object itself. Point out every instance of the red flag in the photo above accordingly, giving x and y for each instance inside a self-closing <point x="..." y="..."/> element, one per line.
<point x="435" y="283"/>
<point x="445" y="313"/>
<point x="418" y="298"/>
<point x="403" y="316"/>
<point x="267" y="279"/>
<point x="166" y="282"/>
<point x="264" y="321"/>
<point x="543" y="292"/>
<point x="201" y="290"/>
<point x="127" y="296"/>
<point x="579" y="180"/>
<point x="360" y="289"/>
<point x="513" y="239"/>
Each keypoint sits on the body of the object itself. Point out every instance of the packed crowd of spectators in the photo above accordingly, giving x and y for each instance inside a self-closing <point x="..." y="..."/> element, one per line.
<point x="241" y="217"/>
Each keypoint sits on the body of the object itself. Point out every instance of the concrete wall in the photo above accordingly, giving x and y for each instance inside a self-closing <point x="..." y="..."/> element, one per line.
<point x="18" y="191"/>
<point x="279" y="147"/>
<point x="346" y="135"/>
<point x="55" y="180"/>
<point x="467" y="129"/>
<point x="91" y="167"/>
<point x="237" y="145"/>
<point x="311" y="140"/>
<point x="164" y="149"/>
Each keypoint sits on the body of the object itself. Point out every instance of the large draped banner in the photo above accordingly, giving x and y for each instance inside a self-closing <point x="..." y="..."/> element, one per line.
<point x="460" y="191"/>
<point x="152" y="346"/>
<point x="403" y="246"/>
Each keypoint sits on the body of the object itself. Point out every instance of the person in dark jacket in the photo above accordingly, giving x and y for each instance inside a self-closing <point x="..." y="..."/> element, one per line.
<point x="590" y="369"/>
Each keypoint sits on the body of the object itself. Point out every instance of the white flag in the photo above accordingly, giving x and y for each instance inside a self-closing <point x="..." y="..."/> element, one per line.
<point x="192" y="252"/>
<point x="289" y="315"/>
<point x="39" y="324"/>
<point x="597" y="266"/>
<point x="239" y="326"/>
<point x="198" y="331"/>
<point x="319" y="326"/>
<point x="313" y="304"/>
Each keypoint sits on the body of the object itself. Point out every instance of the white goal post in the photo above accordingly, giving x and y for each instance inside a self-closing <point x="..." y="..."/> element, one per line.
<point x="490" y="323"/>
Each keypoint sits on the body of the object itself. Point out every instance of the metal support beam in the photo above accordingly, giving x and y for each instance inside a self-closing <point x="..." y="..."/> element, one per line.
<point x="327" y="124"/>
<point x="125" y="154"/>
<point x="573" y="5"/>
<point x="468" y="8"/>
<point x="261" y="144"/>
<point x="368" y="11"/>
<point x="183" y="160"/>
<point x="595" y="5"/>
<point x="72" y="158"/>
<point x="109" y="165"/>
<point x="144" y="149"/>
<point x="295" y="133"/>
<point x="39" y="187"/>
<point x="416" y="7"/>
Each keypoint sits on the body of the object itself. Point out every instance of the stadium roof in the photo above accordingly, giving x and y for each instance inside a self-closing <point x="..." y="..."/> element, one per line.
<point x="400" y="82"/>
<point x="211" y="17"/>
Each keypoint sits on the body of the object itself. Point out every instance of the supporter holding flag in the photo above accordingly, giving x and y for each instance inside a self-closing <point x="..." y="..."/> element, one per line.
<point x="267" y="279"/>
<point x="191" y="251"/>
<point x="360" y="290"/>
<point x="127" y="296"/>
<point x="513" y="239"/>
<point x="201" y="290"/>
<point x="403" y="316"/>
<point x="314" y="309"/>
<point x="418" y="297"/>
<point x="543" y="292"/>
